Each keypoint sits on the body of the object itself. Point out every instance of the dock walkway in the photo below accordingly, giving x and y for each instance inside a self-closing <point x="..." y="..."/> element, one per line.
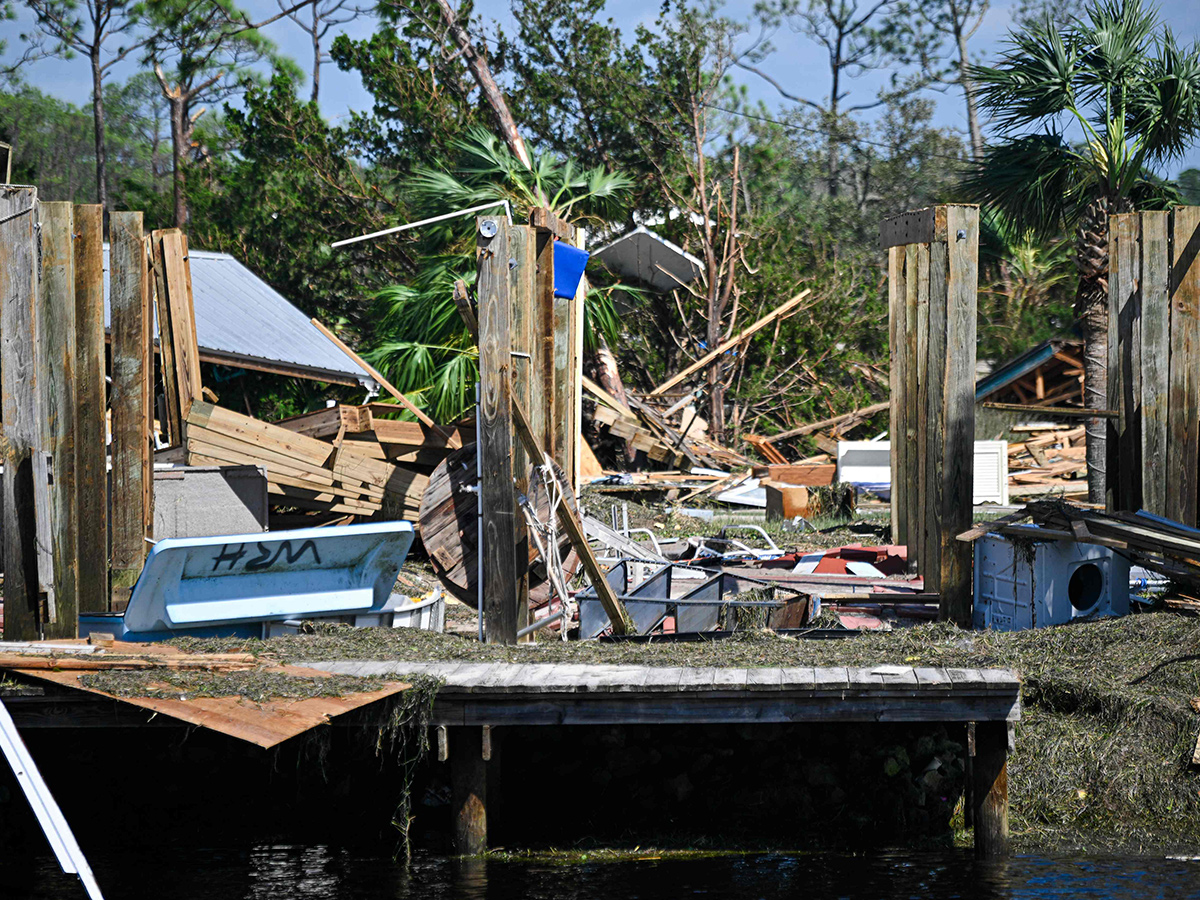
<point x="477" y="697"/>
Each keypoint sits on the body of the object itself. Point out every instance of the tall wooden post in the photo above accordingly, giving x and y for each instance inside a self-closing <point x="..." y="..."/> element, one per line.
<point x="468" y="790"/>
<point x="132" y="367"/>
<point x="497" y="501"/>
<point x="91" y="430"/>
<point x="522" y="251"/>
<point x="59" y="409"/>
<point x="932" y="293"/>
<point x="19" y="409"/>
<point x="990" y="789"/>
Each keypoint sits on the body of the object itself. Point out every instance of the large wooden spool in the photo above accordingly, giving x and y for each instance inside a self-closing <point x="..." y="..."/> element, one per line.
<point x="449" y="525"/>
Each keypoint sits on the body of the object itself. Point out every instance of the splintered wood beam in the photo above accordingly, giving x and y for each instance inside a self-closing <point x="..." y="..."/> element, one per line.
<point x="617" y="614"/>
<point x="462" y="301"/>
<point x="544" y="220"/>
<point x="451" y="440"/>
<point x="725" y="346"/>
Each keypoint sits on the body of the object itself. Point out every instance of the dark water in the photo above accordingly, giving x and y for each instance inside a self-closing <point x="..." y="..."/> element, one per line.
<point x="293" y="872"/>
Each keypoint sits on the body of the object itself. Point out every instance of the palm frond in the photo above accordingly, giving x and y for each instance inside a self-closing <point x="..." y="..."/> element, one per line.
<point x="1038" y="181"/>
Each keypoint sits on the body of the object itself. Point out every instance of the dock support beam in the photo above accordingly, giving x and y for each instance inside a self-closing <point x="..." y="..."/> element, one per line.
<point x="468" y="790"/>
<point x="990" y="789"/>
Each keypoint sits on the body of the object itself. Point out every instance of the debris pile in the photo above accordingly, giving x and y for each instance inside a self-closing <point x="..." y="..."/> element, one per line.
<point x="1051" y="460"/>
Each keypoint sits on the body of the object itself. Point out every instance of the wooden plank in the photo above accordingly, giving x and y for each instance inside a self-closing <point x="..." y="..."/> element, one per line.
<point x="919" y="226"/>
<point x="785" y="308"/>
<point x="1066" y="412"/>
<point x="462" y="300"/>
<point x="575" y="439"/>
<point x="523" y="250"/>
<point x="18" y="409"/>
<point x="1124" y="477"/>
<point x="958" y="424"/>
<point x="844" y="421"/>
<point x="541" y="400"/>
<point x="186" y="355"/>
<point x="254" y="431"/>
<point x="1155" y="357"/>
<point x="913" y="519"/>
<point x="91" y="429"/>
<point x="172" y="427"/>
<point x="897" y="292"/>
<point x="921" y="525"/>
<point x="1183" y="438"/>
<point x="56" y="378"/>
<point x="934" y="416"/>
<point x="618" y="616"/>
<point x="497" y="502"/>
<point x="132" y="459"/>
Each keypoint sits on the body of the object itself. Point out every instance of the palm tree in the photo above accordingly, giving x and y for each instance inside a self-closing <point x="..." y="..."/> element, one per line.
<point x="1121" y="79"/>
<point x="426" y="350"/>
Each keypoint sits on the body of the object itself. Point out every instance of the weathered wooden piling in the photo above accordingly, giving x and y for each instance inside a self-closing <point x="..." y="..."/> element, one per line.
<point x="468" y="790"/>
<point x="990" y="789"/>
<point x="933" y="276"/>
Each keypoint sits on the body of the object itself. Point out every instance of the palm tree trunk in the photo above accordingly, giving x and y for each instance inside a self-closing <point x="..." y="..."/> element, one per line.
<point x="1091" y="308"/>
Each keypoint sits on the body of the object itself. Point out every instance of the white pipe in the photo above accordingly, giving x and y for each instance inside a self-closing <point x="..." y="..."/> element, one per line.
<point x="430" y="221"/>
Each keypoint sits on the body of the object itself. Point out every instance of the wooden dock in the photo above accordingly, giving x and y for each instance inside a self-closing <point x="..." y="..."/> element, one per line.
<point x="476" y="697"/>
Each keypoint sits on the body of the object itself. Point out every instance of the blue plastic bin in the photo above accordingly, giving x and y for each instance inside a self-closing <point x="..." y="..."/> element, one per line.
<point x="569" y="263"/>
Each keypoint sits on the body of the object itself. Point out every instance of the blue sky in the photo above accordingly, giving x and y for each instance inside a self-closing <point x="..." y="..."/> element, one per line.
<point x="798" y="62"/>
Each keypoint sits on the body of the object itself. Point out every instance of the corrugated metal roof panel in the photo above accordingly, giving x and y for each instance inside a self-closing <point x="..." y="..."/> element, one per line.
<point x="240" y="316"/>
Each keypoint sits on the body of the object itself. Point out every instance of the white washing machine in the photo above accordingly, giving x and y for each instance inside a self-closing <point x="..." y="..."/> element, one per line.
<point x="1026" y="583"/>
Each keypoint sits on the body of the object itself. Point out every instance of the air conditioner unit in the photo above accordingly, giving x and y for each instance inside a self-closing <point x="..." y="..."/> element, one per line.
<point x="1029" y="583"/>
<point x="869" y="465"/>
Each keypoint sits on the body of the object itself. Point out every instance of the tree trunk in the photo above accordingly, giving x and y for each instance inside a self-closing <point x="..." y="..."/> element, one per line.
<point x="98" y="121"/>
<point x="179" y="157"/>
<point x="1091" y="308"/>
<point x="487" y="84"/>
<point x="968" y="87"/>
<point x="608" y="376"/>
<point x="316" y="42"/>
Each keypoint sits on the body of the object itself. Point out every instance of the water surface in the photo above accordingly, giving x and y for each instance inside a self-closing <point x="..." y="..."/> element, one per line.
<point x="319" y="871"/>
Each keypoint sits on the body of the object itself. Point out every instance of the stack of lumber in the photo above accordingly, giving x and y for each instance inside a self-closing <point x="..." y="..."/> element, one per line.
<point x="644" y="427"/>
<point x="1050" y="460"/>
<point x="304" y="472"/>
<point x="368" y="431"/>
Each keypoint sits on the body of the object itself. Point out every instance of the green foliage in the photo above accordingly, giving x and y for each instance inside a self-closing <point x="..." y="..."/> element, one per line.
<point x="1119" y="77"/>
<point x="55" y="149"/>
<point x="421" y="344"/>
<point x="425" y="99"/>
<point x="1189" y="186"/>
<point x="1026" y="287"/>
